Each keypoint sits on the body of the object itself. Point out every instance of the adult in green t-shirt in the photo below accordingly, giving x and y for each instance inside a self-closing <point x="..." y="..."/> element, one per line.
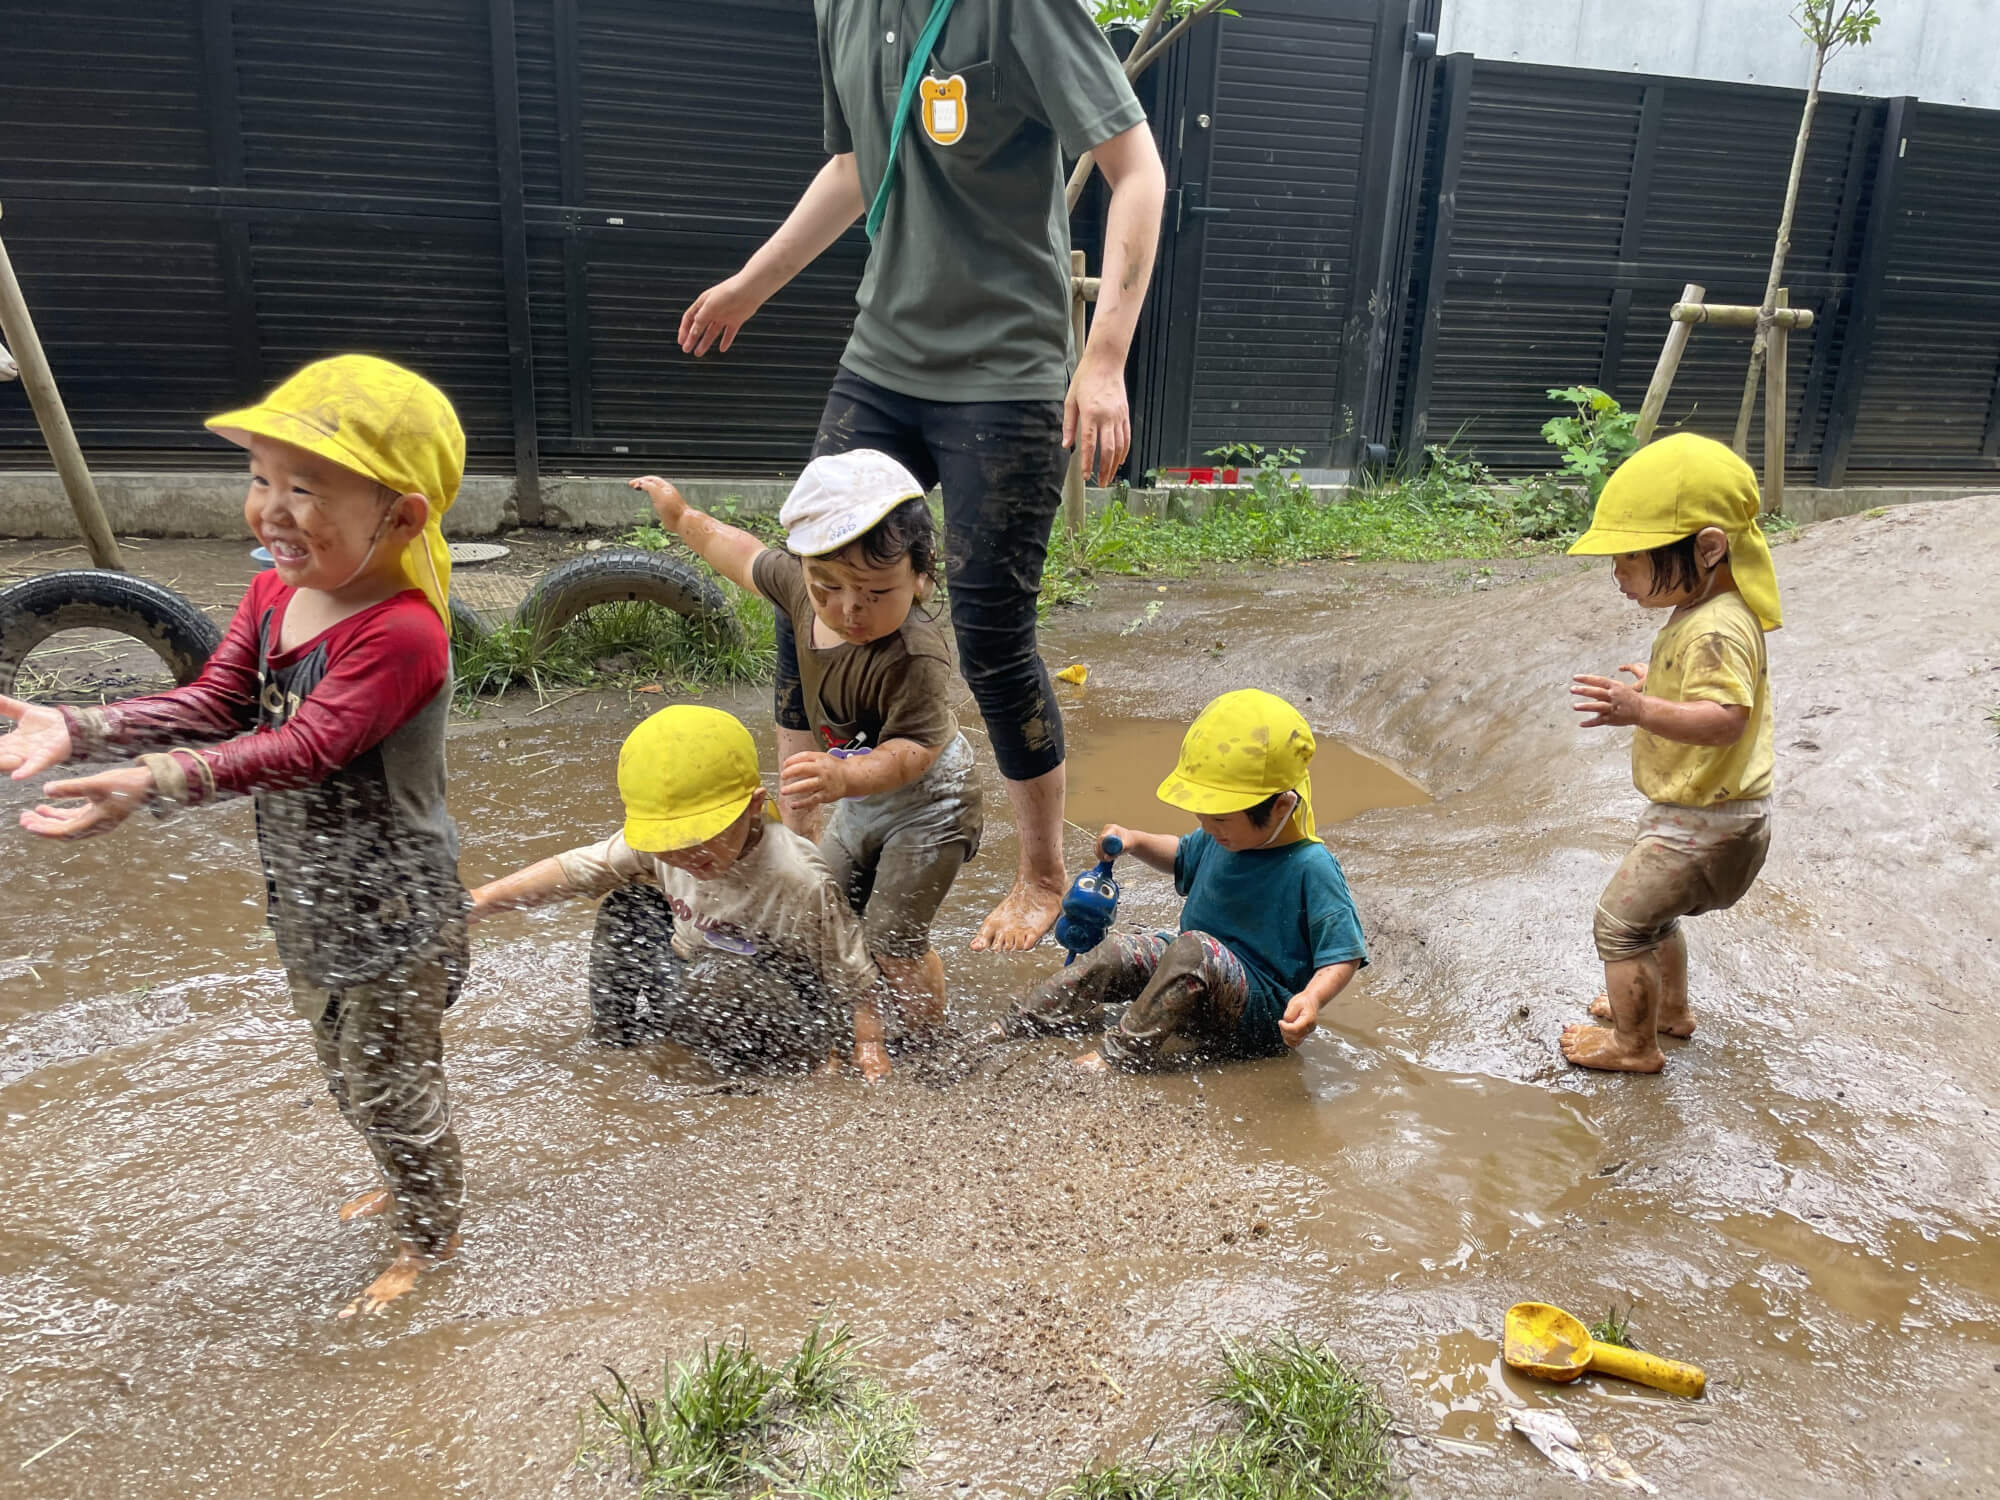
<point x="960" y="363"/>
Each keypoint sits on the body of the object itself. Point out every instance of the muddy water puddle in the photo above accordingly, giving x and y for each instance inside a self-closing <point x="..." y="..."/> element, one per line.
<point x="1048" y="1263"/>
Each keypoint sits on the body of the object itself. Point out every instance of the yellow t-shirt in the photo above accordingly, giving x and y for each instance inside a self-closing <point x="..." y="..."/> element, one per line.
<point x="1712" y="654"/>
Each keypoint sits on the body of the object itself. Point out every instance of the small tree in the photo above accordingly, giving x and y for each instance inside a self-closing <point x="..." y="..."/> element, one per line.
<point x="1147" y="17"/>
<point x="1831" y="26"/>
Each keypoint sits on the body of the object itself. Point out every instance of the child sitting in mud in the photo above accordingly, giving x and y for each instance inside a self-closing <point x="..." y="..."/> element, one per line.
<point x="876" y="679"/>
<point x="1268" y="935"/>
<point x="326" y="702"/>
<point x="1679" y="521"/>
<point x="756" y="957"/>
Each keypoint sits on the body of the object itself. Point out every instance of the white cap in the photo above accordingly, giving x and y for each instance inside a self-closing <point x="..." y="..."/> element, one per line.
<point x="840" y="496"/>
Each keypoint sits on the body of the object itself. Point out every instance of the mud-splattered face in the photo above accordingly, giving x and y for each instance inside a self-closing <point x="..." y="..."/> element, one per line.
<point x="857" y="600"/>
<point x="718" y="856"/>
<point x="323" y="525"/>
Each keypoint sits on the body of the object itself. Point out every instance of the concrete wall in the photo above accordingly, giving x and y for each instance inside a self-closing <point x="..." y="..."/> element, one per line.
<point x="1940" y="50"/>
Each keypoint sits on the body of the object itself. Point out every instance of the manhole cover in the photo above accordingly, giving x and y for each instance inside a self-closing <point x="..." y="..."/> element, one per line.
<point x="465" y="553"/>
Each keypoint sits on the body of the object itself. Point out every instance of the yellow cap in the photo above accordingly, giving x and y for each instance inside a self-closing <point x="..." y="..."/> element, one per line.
<point x="1679" y="486"/>
<point x="1246" y="746"/>
<point x="685" y="775"/>
<point x="384" y="423"/>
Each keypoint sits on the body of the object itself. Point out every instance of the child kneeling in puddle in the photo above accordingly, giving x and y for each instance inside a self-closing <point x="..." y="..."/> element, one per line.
<point x="1679" y="521"/>
<point x="875" y="677"/>
<point x="1268" y="935"/>
<point x="721" y="928"/>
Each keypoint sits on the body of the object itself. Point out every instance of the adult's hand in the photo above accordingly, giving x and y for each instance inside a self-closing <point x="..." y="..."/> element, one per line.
<point x="714" y="317"/>
<point x="1097" y="418"/>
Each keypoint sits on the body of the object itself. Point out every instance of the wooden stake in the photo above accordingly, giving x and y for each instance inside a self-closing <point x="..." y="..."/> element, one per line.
<point x="1073" y="497"/>
<point x="1663" y="372"/>
<point x="1775" y="356"/>
<point x="1729" y="315"/>
<point x="40" y="382"/>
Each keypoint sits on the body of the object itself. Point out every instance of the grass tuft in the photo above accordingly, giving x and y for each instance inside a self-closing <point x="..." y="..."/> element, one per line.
<point x="1306" y="1426"/>
<point x="729" y="1425"/>
<point x="1615" y="1327"/>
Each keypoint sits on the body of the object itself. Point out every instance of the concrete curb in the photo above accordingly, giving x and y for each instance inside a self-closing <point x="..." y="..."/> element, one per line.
<point x="33" y="505"/>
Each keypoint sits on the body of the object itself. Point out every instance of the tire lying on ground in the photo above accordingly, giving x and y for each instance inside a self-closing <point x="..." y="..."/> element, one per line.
<point x="613" y="576"/>
<point x="166" y="623"/>
<point x="466" y="625"/>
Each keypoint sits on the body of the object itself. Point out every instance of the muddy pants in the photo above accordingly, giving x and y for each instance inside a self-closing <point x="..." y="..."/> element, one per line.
<point x="381" y="1046"/>
<point x="1182" y="995"/>
<point x="1685" y="861"/>
<point x="1001" y="466"/>
<point x="895" y="854"/>
<point x="737" y="1013"/>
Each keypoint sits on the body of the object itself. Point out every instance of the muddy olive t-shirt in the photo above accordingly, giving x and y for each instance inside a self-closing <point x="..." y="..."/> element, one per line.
<point x="1712" y="654"/>
<point x="897" y="688"/>
<point x="966" y="295"/>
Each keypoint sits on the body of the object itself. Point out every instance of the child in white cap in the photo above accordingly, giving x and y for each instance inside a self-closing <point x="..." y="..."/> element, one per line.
<point x="876" y="678"/>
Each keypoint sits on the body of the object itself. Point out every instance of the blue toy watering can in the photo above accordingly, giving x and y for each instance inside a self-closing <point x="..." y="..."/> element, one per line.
<point x="1091" y="905"/>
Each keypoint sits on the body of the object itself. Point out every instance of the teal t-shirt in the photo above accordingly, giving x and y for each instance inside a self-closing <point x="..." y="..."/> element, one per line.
<point x="1285" y="913"/>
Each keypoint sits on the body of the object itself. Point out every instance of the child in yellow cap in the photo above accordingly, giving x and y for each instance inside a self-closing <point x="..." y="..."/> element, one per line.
<point x="1268" y="935"/>
<point x="326" y="702"/>
<point x="724" y="921"/>
<point x="1679" y="521"/>
<point x="875" y="681"/>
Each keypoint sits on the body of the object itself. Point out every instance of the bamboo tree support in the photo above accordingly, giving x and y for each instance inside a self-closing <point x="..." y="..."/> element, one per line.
<point x="1082" y="289"/>
<point x="1776" y="353"/>
<point x="47" y="401"/>
<point x="1670" y="361"/>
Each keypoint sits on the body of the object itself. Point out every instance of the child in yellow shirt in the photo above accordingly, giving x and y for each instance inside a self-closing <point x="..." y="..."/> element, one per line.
<point x="1679" y="521"/>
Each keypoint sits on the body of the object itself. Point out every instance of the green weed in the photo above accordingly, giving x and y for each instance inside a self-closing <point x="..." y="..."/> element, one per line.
<point x="1305" y="1426"/>
<point x="1594" y="438"/>
<point x="1615" y="1327"/>
<point x="728" y="1425"/>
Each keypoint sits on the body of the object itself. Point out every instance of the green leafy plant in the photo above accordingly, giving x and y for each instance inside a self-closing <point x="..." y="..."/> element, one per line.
<point x="1615" y="1327"/>
<point x="1594" y="438"/>
<point x="1302" y="1424"/>
<point x="1274" y="472"/>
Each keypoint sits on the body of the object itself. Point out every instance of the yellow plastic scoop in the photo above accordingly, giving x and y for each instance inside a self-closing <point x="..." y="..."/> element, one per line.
<point x="1548" y="1343"/>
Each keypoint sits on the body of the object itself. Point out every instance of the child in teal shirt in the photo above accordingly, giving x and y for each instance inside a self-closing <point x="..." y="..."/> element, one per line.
<point x="1268" y="934"/>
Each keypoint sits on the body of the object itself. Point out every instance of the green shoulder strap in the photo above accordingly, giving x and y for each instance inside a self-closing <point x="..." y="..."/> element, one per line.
<point x="919" y="57"/>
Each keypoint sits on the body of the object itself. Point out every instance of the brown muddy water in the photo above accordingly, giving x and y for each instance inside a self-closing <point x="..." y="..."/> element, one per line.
<point x="1804" y="1204"/>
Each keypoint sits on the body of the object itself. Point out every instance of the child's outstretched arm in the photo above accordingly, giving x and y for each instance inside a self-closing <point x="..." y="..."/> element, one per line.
<point x="1615" y="704"/>
<point x="537" y="885"/>
<point x="1157" y="850"/>
<point x="728" y="549"/>
<point x="593" y="870"/>
<point x="1302" y="1014"/>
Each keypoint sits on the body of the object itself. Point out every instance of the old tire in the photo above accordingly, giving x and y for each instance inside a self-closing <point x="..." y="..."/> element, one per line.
<point x="466" y="627"/>
<point x="168" y="624"/>
<point x="570" y="588"/>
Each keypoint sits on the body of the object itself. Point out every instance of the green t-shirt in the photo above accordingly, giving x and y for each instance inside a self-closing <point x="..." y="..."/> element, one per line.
<point x="966" y="295"/>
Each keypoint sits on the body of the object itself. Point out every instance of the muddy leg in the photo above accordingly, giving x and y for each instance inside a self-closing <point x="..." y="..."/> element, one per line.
<point x="1675" y="1017"/>
<point x="1194" y="1002"/>
<point x="1072" y="999"/>
<point x="1633" y="989"/>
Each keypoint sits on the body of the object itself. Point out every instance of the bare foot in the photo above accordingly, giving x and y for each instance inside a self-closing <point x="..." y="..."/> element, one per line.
<point x="371" y="1204"/>
<point x="1092" y="1062"/>
<point x="401" y="1276"/>
<point x="1022" y="920"/>
<point x="872" y="1058"/>
<point x="1681" y="1025"/>
<point x="1599" y="1047"/>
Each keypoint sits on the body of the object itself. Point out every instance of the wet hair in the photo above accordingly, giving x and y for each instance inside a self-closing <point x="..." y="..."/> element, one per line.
<point x="1675" y="566"/>
<point x="907" y="531"/>
<point x="1261" y="813"/>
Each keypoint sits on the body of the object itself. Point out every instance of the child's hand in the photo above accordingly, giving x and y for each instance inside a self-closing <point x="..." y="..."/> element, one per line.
<point x="810" y="780"/>
<point x="1300" y="1017"/>
<point x="1112" y="831"/>
<point x="38" y="740"/>
<point x="1610" y="701"/>
<point x="109" y="798"/>
<point x="668" y="503"/>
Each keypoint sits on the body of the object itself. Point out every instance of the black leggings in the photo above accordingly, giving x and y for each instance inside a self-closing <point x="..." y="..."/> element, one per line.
<point x="1001" y="465"/>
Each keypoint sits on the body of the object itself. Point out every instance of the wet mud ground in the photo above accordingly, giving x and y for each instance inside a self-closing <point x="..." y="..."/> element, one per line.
<point x="1804" y="1203"/>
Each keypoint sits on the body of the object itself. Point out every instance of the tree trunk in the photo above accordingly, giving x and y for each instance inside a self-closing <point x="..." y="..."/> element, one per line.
<point x="1760" y="344"/>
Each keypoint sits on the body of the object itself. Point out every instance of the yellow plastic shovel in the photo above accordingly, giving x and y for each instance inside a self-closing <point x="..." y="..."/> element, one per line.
<point x="1548" y="1343"/>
